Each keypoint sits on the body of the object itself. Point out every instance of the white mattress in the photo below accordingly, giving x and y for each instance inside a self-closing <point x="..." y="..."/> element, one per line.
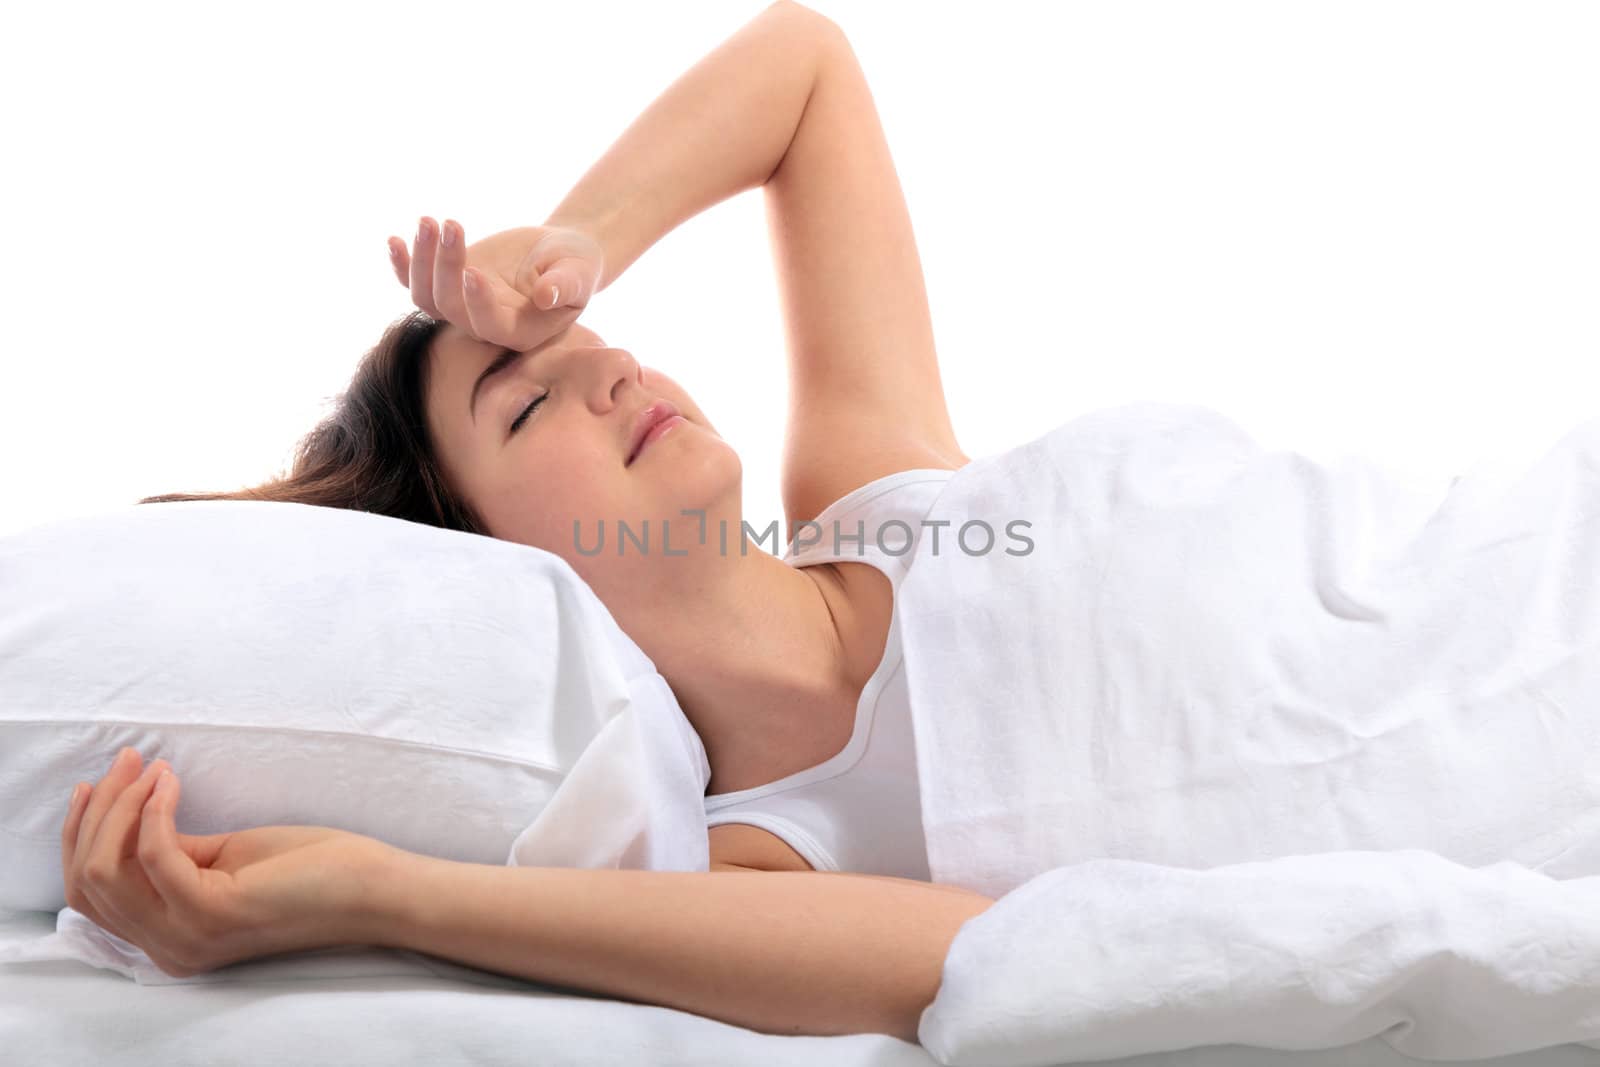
<point x="375" y="1006"/>
<point x="392" y="1008"/>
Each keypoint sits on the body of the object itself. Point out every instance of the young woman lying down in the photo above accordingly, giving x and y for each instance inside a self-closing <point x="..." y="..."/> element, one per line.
<point x="491" y="409"/>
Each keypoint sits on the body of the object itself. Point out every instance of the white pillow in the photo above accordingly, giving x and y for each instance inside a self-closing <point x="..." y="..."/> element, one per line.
<point x="449" y="693"/>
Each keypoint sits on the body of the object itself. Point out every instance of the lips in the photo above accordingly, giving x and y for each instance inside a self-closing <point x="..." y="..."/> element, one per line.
<point x="645" y="421"/>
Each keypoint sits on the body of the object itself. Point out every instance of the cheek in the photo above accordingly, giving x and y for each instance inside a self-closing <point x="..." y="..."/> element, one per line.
<point x="576" y="486"/>
<point x="661" y="385"/>
<point x="539" y="500"/>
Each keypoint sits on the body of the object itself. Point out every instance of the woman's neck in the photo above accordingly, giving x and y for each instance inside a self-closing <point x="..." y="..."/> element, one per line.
<point x="754" y="649"/>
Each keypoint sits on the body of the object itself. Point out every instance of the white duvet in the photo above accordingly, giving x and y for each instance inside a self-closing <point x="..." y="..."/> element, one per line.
<point x="1114" y="958"/>
<point x="1260" y="749"/>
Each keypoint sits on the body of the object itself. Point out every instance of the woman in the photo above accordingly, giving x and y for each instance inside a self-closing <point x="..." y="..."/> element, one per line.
<point x="771" y="662"/>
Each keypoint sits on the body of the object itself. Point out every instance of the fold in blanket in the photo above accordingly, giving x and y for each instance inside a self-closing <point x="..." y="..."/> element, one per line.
<point x="78" y="938"/>
<point x="1257" y="748"/>
<point x="1116" y="958"/>
<point x="1217" y="652"/>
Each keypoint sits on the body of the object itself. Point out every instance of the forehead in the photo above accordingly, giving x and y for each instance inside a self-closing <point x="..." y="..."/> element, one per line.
<point x="453" y="343"/>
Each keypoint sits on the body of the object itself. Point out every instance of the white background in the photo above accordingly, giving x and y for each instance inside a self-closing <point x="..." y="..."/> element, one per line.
<point x="1351" y="227"/>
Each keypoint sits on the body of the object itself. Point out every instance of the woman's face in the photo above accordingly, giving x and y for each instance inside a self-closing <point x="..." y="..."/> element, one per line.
<point x="567" y="461"/>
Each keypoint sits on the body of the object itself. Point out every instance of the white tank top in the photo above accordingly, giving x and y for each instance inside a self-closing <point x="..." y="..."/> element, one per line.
<point x="859" y="810"/>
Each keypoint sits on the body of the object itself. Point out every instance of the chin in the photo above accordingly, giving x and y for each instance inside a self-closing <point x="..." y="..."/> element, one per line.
<point x="702" y="472"/>
<point x="690" y="450"/>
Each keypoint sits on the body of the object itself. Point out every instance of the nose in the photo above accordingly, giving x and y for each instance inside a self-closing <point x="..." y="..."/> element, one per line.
<point x="610" y="369"/>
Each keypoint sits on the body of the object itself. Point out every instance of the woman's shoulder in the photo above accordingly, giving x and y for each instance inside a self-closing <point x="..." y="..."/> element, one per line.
<point x="831" y="485"/>
<point x="904" y="494"/>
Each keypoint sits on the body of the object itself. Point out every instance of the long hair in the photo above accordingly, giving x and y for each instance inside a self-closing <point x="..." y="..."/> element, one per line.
<point x="373" y="452"/>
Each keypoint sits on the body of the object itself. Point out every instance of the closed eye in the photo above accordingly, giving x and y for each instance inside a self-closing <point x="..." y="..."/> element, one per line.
<point x="526" y="412"/>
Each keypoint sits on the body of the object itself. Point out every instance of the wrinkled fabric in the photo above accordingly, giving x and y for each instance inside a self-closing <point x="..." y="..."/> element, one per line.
<point x="1260" y="748"/>
<point x="78" y="938"/>
<point x="1218" y="653"/>
<point x="450" y="694"/>
<point x="1114" y="958"/>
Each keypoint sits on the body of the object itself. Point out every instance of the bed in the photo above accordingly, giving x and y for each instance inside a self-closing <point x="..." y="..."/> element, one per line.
<point x="377" y="1006"/>
<point x="1203" y="918"/>
<point x="387" y="1007"/>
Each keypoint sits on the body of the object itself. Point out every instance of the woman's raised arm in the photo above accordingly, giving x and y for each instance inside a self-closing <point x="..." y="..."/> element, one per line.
<point x="781" y="952"/>
<point x="720" y="129"/>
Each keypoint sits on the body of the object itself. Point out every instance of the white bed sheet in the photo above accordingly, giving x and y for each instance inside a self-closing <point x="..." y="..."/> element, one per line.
<point x="373" y="1006"/>
<point x="394" y="1008"/>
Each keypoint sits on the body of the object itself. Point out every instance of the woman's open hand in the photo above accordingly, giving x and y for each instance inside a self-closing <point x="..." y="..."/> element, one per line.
<point x="195" y="903"/>
<point x="516" y="288"/>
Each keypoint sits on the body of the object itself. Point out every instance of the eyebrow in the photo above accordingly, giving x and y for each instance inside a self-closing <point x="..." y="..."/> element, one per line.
<point x="506" y="358"/>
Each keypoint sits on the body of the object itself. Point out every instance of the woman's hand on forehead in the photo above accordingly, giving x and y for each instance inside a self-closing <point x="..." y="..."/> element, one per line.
<point x="516" y="288"/>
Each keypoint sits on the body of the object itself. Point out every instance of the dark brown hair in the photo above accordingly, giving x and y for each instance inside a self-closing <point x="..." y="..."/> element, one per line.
<point x="373" y="452"/>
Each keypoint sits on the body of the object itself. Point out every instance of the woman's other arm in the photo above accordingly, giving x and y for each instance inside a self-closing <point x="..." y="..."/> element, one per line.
<point x="785" y="952"/>
<point x="721" y="128"/>
<point x="781" y="952"/>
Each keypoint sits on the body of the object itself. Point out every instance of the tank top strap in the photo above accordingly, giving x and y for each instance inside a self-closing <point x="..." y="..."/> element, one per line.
<point x="858" y="810"/>
<point x="878" y="523"/>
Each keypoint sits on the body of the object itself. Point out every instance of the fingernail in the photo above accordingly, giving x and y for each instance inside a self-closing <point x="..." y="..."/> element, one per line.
<point x="555" y="296"/>
<point x="447" y="235"/>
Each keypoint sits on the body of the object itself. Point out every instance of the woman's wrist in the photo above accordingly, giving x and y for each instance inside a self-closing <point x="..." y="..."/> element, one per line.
<point x="379" y="910"/>
<point x="600" y="223"/>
